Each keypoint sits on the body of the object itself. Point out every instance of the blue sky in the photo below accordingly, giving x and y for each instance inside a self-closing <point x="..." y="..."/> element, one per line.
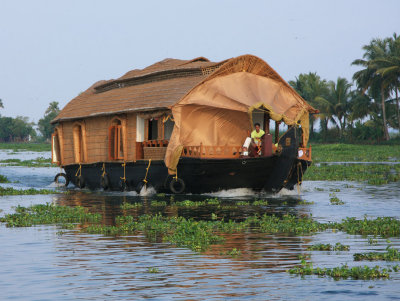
<point x="53" y="50"/>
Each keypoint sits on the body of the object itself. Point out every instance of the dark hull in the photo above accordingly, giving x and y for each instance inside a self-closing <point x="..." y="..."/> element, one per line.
<point x="200" y="175"/>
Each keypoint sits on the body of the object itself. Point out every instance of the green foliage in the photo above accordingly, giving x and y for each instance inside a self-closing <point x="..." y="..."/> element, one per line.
<point x="16" y="129"/>
<point x="391" y="254"/>
<point x="384" y="226"/>
<point x="30" y="191"/>
<point x="153" y="270"/>
<point x="342" y="272"/>
<point x="260" y="203"/>
<point x="354" y="153"/>
<point x="286" y="224"/>
<point x="48" y="214"/>
<point x="44" y="123"/>
<point x="335" y="200"/>
<point x="328" y="247"/>
<point x="155" y="203"/>
<point x="38" y="162"/>
<point x="374" y="174"/>
<point x="127" y="206"/>
<point x="234" y="252"/>
<point x="4" y="179"/>
<point x="34" y="147"/>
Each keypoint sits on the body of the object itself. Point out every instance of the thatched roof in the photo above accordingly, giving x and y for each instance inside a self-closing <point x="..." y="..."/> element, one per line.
<point x="158" y="86"/>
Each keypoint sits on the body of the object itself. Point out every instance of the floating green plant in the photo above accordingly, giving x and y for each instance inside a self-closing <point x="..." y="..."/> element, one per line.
<point x="155" y="203"/>
<point x="334" y="200"/>
<point x="305" y="202"/>
<point x="328" y="247"/>
<point x="260" y="203"/>
<point x="48" y="214"/>
<point x="213" y="201"/>
<point x="384" y="226"/>
<point x="342" y="272"/>
<point x="372" y="241"/>
<point x="38" y="162"/>
<point x="30" y="191"/>
<point x="4" y="179"/>
<point x="234" y="252"/>
<point x="391" y="254"/>
<point x="127" y="206"/>
<point x="153" y="270"/>
<point x="287" y="224"/>
<point x="243" y="203"/>
<point x="189" y="203"/>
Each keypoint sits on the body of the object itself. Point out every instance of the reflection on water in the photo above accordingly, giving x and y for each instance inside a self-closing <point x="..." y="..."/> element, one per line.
<point x="46" y="262"/>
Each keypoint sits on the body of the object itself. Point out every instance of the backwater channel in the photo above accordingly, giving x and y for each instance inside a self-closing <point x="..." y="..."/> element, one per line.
<point x="46" y="262"/>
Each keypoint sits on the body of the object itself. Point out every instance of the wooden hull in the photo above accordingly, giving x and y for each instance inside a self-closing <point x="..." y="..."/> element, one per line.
<point x="199" y="175"/>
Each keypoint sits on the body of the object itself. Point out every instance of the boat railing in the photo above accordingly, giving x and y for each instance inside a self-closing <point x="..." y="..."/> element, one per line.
<point x="155" y="143"/>
<point x="212" y="152"/>
<point x="305" y="153"/>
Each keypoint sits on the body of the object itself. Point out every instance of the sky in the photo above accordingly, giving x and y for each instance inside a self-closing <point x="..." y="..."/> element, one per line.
<point x="54" y="50"/>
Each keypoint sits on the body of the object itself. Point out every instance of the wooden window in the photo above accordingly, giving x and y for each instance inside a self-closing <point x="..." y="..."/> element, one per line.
<point x="79" y="143"/>
<point x="115" y="142"/>
<point x="55" y="148"/>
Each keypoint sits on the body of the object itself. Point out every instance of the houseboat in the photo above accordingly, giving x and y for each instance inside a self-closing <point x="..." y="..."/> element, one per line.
<point x="179" y="126"/>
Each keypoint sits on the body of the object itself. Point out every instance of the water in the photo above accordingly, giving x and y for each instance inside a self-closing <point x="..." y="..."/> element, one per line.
<point x="50" y="263"/>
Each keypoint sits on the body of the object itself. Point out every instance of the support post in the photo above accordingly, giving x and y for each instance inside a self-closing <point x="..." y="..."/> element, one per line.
<point x="266" y="122"/>
<point x="277" y="123"/>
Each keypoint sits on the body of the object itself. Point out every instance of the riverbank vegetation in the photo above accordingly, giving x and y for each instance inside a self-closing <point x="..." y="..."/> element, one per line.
<point x="25" y="146"/>
<point x="363" y="114"/>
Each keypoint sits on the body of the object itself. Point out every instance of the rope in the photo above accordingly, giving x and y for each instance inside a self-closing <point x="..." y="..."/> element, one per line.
<point x="79" y="171"/>
<point x="104" y="170"/>
<point x="124" y="178"/>
<point x="147" y="171"/>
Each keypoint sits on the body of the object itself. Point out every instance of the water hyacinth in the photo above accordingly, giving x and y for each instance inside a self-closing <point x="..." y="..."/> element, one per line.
<point x="30" y="191"/>
<point x="343" y="272"/>
<point x="391" y="254"/>
<point x="48" y="214"/>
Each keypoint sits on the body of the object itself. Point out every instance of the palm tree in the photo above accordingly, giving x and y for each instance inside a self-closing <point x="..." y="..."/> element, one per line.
<point x="389" y="68"/>
<point x="369" y="78"/>
<point x="335" y="106"/>
<point x="53" y="107"/>
<point x="310" y="86"/>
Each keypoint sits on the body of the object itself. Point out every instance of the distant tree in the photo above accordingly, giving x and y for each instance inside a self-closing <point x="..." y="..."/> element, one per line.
<point x="45" y="128"/>
<point x="389" y="68"/>
<point x="369" y="78"/>
<point x="311" y="87"/>
<point x="6" y="129"/>
<point x="22" y="128"/>
<point x="335" y="106"/>
<point x="1" y="104"/>
<point x="16" y="129"/>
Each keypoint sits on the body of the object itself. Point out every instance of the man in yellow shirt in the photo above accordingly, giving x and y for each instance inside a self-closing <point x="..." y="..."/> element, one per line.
<point x="256" y="137"/>
<point x="257" y="133"/>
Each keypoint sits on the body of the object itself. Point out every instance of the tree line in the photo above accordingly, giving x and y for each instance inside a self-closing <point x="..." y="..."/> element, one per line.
<point x="363" y="113"/>
<point x="20" y="129"/>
